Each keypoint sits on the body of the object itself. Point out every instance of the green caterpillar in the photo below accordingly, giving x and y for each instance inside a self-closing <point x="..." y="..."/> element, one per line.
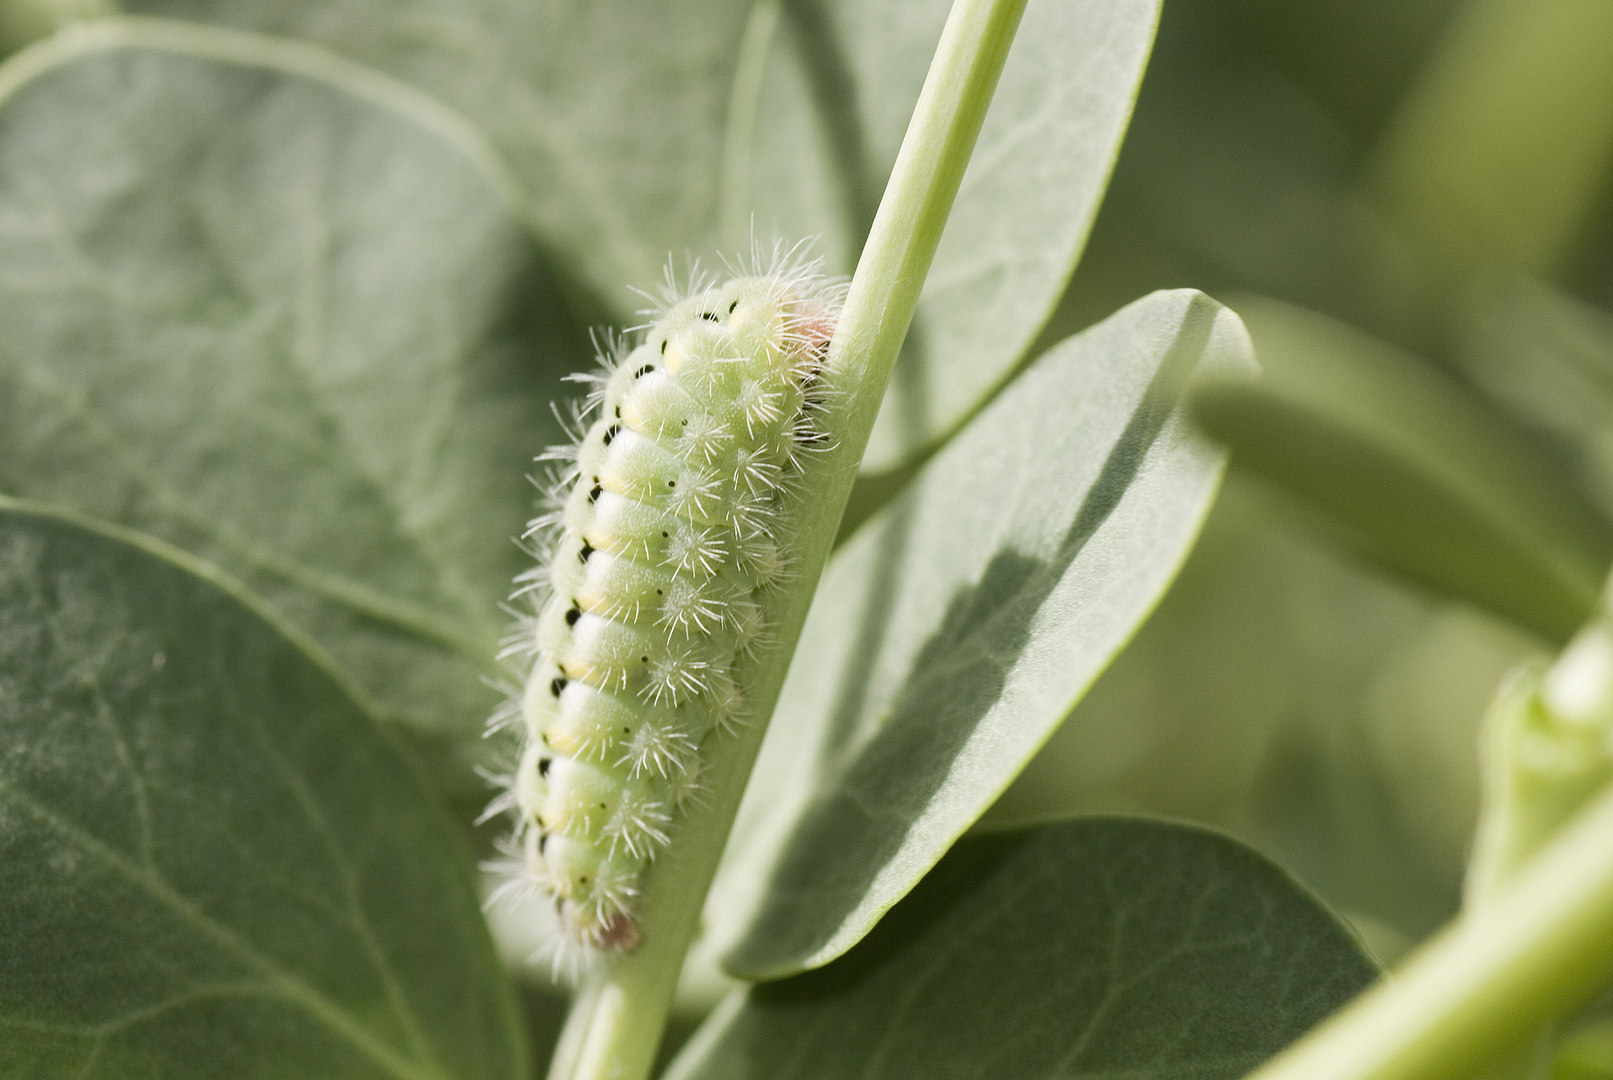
<point x="659" y="560"/>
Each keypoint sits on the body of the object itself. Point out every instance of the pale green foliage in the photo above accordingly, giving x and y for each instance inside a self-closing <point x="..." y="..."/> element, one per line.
<point x="790" y="131"/>
<point x="290" y="284"/>
<point x="269" y="315"/>
<point x="211" y="863"/>
<point x="950" y="637"/>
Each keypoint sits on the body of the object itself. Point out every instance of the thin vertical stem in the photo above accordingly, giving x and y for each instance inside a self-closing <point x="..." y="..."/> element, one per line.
<point x="615" y="1027"/>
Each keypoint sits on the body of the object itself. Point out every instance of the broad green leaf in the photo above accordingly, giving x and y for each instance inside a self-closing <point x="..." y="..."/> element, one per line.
<point x="832" y="105"/>
<point x="1091" y="948"/>
<point x="211" y="862"/>
<point x="273" y="310"/>
<point x="609" y="112"/>
<point x="955" y="630"/>
<point x="639" y="128"/>
<point x="1421" y="474"/>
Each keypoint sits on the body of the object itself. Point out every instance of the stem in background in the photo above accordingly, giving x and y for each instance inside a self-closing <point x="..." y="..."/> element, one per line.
<point x="1497" y="154"/>
<point x="1540" y="947"/>
<point x="615" y="1026"/>
<point x="26" y="21"/>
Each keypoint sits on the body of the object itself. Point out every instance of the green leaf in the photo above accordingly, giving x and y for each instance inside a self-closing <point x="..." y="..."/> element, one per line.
<point x="211" y="862"/>
<point x="1098" y="947"/>
<point x="638" y="128"/>
<point x="1423" y="476"/>
<point x="832" y="103"/>
<point x="609" y="112"/>
<point x="1304" y="702"/>
<point x="954" y="631"/>
<point x="272" y="308"/>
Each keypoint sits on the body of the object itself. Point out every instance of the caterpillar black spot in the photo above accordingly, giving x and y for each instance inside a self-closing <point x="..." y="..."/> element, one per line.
<point x="659" y="562"/>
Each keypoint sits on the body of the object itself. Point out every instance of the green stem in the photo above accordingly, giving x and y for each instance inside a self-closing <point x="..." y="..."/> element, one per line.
<point x="25" y="21"/>
<point x="615" y="1027"/>
<point x="1529" y="955"/>
<point x="1499" y="152"/>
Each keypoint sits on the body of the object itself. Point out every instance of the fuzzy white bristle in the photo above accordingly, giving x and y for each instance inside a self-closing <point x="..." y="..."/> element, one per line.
<point x="657" y="748"/>
<point x="675" y="678"/>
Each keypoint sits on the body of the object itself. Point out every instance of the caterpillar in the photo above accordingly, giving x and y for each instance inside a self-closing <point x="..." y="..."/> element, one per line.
<point x="657" y="562"/>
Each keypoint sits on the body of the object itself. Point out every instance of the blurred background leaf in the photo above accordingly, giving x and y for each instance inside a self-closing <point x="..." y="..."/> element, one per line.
<point x="1417" y="471"/>
<point x="1496" y="156"/>
<point x="1546" y="358"/>
<point x="1289" y="688"/>
<point x="1303" y="702"/>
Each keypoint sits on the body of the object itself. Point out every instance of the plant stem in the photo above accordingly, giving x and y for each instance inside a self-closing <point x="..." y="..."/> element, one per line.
<point x="615" y="1027"/>
<point x="1499" y="151"/>
<point x="1532" y="953"/>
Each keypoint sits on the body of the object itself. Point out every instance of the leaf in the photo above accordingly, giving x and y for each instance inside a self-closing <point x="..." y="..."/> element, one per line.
<point x="211" y="862"/>
<point x="1096" y="947"/>
<point x="610" y="113"/>
<point x="1420" y="473"/>
<point x="954" y="631"/>
<point x="1304" y="702"/>
<point x="273" y="309"/>
<point x="639" y="128"/>
<point x="832" y="104"/>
